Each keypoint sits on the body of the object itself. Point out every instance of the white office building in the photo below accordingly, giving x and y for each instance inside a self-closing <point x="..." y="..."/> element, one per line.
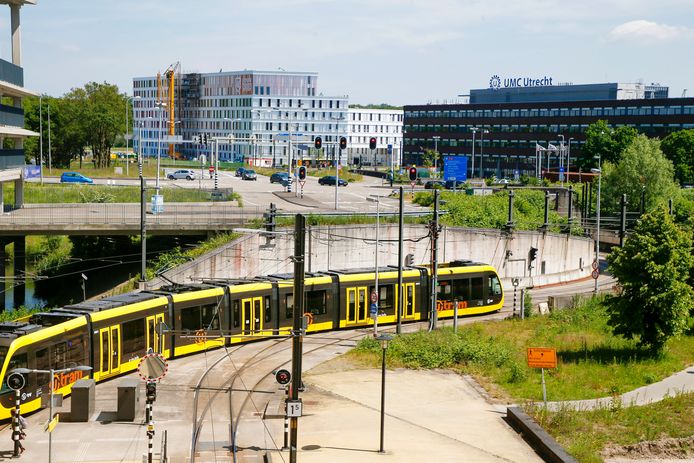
<point x="267" y="112"/>
<point x="385" y="125"/>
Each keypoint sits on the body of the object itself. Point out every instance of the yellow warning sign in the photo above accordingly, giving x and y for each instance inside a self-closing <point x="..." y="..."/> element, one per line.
<point x="542" y="357"/>
<point x="50" y="426"/>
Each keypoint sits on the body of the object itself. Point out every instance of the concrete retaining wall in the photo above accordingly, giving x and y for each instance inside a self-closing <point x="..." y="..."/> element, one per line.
<point x="560" y="258"/>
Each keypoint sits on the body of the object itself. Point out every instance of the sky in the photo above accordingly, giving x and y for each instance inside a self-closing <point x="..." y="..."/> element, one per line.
<point x="376" y="51"/>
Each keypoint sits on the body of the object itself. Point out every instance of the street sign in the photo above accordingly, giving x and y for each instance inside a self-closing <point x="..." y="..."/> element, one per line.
<point x="390" y="149"/>
<point x="542" y="357"/>
<point x="294" y="408"/>
<point x="50" y="425"/>
<point x="595" y="274"/>
<point x="172" y="139"/>
<point x="152" y="367"/>
<point x="595" y="264"/>
<point x="455" y="167"/>
<point x="374" y="296"/>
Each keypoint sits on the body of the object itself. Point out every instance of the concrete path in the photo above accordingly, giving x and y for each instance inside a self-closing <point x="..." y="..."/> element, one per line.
<point x="668" y="387"/>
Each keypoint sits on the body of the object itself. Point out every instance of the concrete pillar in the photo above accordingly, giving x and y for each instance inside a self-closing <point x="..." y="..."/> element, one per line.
<point x="19" y="193"/>
<point x="19" y="270"/>
<point x="16" y="35"/>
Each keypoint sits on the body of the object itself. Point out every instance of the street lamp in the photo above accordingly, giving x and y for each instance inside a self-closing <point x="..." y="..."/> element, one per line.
<point x="597" y="236"/>
<point x="52" y="372"/>
<point x="383" y="339"/>
<point x="436" y="153"/>
<point x="127" y="129"/>
<point x="376" y="199"/>
<point x="568" y="158"/>
<point x="482" y="132"/>
<point x="160" y="108"/>
<point x="561" y="158"/>
<point x="472" y="168"/>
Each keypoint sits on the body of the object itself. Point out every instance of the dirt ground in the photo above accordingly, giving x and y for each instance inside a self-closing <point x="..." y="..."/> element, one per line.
<point x="662" y="450"/>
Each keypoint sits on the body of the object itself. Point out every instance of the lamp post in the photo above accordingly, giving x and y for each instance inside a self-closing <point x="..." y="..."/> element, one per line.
<point x="41" y="136"/>
<point x="376" y="199"/>
<point x="50" y="161"/>
<point x="436" y="153"/>
<point x="52" y="374"/>
<point x="127" y="129"/>
<point x="160" y="108"/>
<point x="597" y="235"/>
<point x="482" y="132"/>
<point x="472" y="168"/>
<point x="383" y="339"/>
<point x="568" y="158"/>
<point x="561" y="158"/>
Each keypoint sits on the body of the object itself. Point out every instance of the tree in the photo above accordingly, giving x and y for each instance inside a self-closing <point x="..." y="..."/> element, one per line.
<point x="604" y="141"/>
<point x="99" y="108"/>
<point x="678" y="147"/>
<point x="655" y="299"/>
<point x="641" y="168"/>
<point x="429" y="157"/>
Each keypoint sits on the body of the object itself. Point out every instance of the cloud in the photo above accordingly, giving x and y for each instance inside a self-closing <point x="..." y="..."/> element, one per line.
<point x="649" y="31"/>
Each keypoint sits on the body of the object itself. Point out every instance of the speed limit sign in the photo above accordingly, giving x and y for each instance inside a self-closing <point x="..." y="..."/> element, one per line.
<point x="595" y="273"/>
<point x="374" y="296"/>
<point x="595" y="264"/>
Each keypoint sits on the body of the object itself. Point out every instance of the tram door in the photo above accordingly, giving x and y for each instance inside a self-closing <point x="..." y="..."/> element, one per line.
<point x="408" y="306"/>
<point x="153" y="338"/>
<point x="109" y="346"/>
<point x="356" y="305"/>
<point x="252" y="315"/>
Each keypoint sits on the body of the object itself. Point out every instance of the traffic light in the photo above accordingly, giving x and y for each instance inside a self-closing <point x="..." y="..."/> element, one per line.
<point x="343" y="143"/>
<point x="413" y="173"/>
<point x="372" y="143"/>
<point x="151" y="391"/>
<point x="533" y="254"/>
<point x="15" y="381"/>
<point x="270" y="218"/>
<point x="318" y="143"/>
<point x="196" y="139"/>
<point x="283" y="377"/>
<point x="302" y="173"/>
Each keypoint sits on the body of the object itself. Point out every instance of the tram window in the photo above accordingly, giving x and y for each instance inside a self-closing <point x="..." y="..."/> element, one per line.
<point x="42" y="362"/>
<point x="133" y="334"/>
<point x="386" y="299"/>
<point x="476" y="290"/>
<point x="494" y="286"/>
<point x="289" y="304"/>
<point x="76" y="351"/>
<point x="315" y="302"/>
<point x="461" y="289"/>
<point x="351" y="305"/>
<point x="208" y="317"/>
<point x="236" y="313"/>
<point x="17" y="361"/>
<point x="268" y="312"/>
<point x="202" y="317"/>
<point x="59" y="356"/>
<point x="444" y="290"/>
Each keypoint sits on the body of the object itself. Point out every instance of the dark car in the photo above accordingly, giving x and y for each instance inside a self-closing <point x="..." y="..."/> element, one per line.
<point x="240" y="171"/>
<point x="431" y="184"/>
<point x="279" y="177"/>
<point x="249" y="175"/>
<point x="74" y="177"/>
<point x="330" y="180"/>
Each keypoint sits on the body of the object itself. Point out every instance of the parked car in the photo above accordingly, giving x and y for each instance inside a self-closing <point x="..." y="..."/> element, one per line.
<point x="330" y="180"/>
<point x="182" y="173"/>
<point x="240" y="171"/>
<point x="279" y="177"/>
<point x="74" y="177"/>
<point x="431" y="184"/>
<point x="249" y="175"/>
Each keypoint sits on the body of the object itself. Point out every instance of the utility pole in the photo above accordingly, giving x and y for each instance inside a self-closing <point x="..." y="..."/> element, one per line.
<point x="434" y="260"/>
<point x="297" y="333"/>
<point x="143" y="229"/>
<point x="41" y="136"/>
<point x="400" y="259"/>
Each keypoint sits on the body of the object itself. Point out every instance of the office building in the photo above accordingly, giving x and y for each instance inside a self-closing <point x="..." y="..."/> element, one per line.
<point x="509" y="120"/>
<point x="385" y="125"/>
<point x="265" y="111"/>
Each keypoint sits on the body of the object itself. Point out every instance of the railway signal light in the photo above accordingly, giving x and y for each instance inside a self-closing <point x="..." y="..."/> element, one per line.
<point x="343" y="143"/>
<point x="15" y="381"/>
<point x="302" y="173"/>
<point x="372" y="143"/>
<point x="318" y="143"/>
<point x="151" y="391"/>
<point x="283" y="377"/>
<point x="413" y="173"/>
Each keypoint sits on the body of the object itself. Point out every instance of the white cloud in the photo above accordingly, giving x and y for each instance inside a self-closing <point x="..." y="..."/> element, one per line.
<point x="649" y="31"/>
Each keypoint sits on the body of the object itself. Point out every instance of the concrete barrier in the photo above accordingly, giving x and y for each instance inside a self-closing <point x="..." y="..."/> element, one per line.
<point x="543" y="443"/>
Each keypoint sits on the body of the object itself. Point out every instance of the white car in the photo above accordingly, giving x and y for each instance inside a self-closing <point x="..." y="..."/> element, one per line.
<point x="183" y="173"/>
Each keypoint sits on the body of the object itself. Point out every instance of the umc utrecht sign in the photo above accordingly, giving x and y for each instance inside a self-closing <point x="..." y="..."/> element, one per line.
<point x="496" y="82"/>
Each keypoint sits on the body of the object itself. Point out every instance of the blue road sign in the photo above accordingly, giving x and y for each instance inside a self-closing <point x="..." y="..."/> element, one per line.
<point x="32" y="171"/>
<point x="455" y="167"/>
<point x="390" y="149"/>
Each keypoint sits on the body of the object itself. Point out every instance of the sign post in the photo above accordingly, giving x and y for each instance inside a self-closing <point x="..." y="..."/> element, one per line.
<point x="542" y="357"/>
<point x="152" y="368"/>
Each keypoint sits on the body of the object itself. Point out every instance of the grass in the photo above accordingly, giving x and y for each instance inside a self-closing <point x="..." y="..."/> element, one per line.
<point x="592" y="361"/>
<point x="35" y="193"/>
<point x="584" y="434"/>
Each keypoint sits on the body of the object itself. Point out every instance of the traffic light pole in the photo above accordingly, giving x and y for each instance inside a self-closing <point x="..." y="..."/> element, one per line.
<point x="400" y="260"/>
<point x="434" y="260"/>
<point x="150" y="420"/>
<point x="337" y="176"/>
<point x="297" y="333"/>
<point x="15" y="423"/>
